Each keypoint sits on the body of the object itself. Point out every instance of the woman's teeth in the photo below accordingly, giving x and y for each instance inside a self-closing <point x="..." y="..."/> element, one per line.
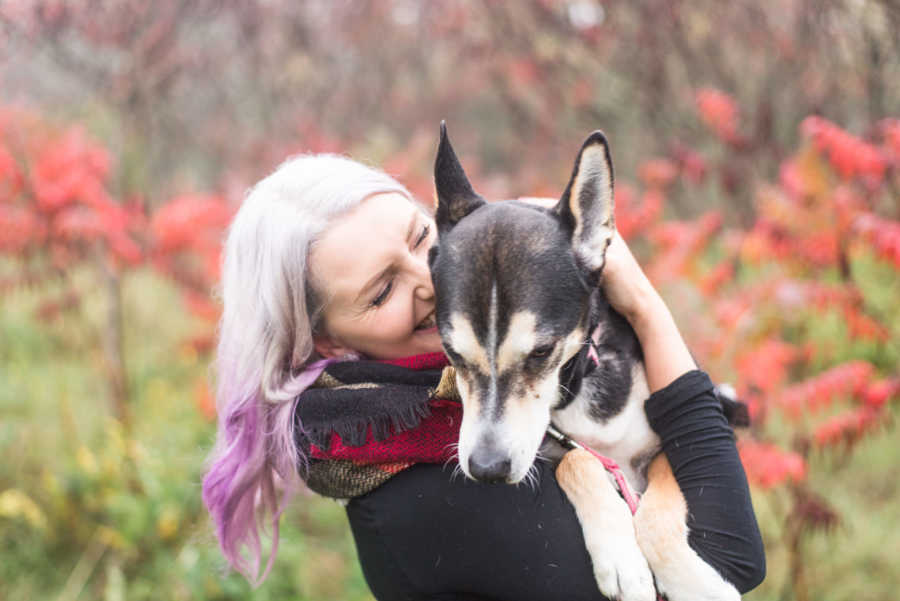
<point x="428" y="322"/>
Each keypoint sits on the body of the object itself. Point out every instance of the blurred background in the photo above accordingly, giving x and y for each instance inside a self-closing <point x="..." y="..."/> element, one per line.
<point x="757" y="152"/>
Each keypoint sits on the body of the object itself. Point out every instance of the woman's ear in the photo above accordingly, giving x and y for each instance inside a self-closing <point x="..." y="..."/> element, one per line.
<point x="328" y="347"/>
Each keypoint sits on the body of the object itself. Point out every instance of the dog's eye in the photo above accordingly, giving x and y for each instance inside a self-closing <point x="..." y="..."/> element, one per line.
<point x="541" y="352"/>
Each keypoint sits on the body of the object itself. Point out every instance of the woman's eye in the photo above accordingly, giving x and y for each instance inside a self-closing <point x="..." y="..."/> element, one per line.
<point x="423" y="235"/>
<point x="382" y="296"/>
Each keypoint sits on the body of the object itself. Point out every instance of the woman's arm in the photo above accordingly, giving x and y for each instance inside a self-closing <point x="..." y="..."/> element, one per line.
<point x="666" y="356"/>
<point x="426" y="535"/>
<point x="699" y="445"/>
<point x="687" y="416"/>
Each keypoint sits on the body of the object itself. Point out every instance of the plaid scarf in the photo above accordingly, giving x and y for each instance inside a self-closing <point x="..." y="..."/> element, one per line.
<point x="361" y="422"/>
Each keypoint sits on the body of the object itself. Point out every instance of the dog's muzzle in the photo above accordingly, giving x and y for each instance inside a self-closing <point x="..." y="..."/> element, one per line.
<point x="489" y="465"/>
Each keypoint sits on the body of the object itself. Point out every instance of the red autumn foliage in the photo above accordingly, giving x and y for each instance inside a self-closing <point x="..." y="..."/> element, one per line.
<point x="56" y="198"/>
<point x="809" y="223"/>
<point x="692" y="166"/>
<point x="765" y="367"/>
<point x="848" y="427"/>
<point x="678" y="244"/>
<point x="186" y="234"/>
<point x="883" y="234"/>
<point x="633" y="217"/>
<point x="19" y="227"/>
<point x="70" y="169"/>
<point x="658" y="173"/>
<point x="768" y="466"/>
<point x="819" y="392"/>
<point x="64" y="202"/>
<point x="850" y="156"/>
<point x="65" y="209"/>
<point x="877" y="394"/>
<point x="719" y="112"/>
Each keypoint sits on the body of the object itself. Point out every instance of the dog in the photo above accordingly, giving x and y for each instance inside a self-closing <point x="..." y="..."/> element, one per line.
<point x="521" y="316"/>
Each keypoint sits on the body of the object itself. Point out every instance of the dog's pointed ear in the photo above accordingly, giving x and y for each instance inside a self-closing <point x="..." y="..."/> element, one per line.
<point x="456" y="198"/>
<point x="587" y="205"/>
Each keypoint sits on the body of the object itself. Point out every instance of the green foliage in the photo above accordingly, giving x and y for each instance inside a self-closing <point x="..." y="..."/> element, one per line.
<point x="857" y="559"/>
<point x="91" y="511"/>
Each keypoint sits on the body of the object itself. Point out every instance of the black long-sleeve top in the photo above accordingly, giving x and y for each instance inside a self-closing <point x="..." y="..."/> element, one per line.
<point x="425" y="535"/>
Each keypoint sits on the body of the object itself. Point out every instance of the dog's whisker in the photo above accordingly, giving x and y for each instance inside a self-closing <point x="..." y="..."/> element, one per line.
<point x="531" y="478"/>
<point x="453" y="447"/>
<point x="541" y="457"/>
<point x="457" y="471"/>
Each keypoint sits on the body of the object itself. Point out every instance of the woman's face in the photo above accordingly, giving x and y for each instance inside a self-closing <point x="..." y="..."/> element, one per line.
<point x="370" y="267"/>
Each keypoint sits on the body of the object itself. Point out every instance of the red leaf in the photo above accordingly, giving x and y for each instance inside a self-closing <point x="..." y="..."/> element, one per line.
<point x="768" y="466"/>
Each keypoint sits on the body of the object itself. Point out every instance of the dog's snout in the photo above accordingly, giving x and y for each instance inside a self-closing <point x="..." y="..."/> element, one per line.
<point x="490" y="467"/>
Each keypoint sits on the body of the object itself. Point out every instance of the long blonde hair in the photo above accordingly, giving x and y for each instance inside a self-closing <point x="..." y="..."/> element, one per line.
<point x="265" y="343"/>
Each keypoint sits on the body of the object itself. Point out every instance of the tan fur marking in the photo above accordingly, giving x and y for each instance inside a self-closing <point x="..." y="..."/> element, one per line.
<point x="662" y="534"/>
<point x="464" y="342"/>
<point x="519" y="341"/>
<point x="578" y="475"/>
<point x="591" y="156"/>
<point x="660" y="519"/>
<point x="471" y="402"/>
<point x="619" y="568"/>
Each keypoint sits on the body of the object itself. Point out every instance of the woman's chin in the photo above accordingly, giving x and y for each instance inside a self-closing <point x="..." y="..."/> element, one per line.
<point x="430" y="339"/>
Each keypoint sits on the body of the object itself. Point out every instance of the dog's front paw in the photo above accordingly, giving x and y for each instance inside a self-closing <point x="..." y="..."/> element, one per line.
<point x="619" y="566"/>
<point x="621" y="571"/>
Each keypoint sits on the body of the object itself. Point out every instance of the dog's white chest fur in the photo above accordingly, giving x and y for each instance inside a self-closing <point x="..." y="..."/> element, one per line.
<point x="626" y="437"/>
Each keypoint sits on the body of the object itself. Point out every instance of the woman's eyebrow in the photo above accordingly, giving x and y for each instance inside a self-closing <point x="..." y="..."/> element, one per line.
<point x="381" y="274"/>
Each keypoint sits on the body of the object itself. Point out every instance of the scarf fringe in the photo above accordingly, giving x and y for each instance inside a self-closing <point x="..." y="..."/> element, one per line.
<point x="354" y="431"/>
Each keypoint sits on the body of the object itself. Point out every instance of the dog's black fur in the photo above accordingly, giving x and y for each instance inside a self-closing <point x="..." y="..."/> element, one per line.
<point x="527" y="251"/>
<point x="495" y="263"/>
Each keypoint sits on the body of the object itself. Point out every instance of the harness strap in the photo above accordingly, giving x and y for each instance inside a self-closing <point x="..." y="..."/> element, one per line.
<point x="631" y="498"/>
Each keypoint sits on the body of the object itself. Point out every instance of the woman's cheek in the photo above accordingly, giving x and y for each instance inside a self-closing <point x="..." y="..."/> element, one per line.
<point x="396" y="320"/>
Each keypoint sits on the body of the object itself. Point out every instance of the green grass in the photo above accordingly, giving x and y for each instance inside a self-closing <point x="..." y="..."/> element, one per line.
<point x="857" y="560"/>
<point x="122" y="510"/>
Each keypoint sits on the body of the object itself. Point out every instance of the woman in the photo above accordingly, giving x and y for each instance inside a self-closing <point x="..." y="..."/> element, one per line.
<point x="326" y="262"/>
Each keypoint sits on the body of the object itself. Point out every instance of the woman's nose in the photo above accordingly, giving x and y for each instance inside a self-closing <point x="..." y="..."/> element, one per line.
<point x="424" y="286"/>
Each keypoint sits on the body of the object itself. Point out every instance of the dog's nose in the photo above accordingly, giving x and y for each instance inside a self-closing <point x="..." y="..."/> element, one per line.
<point x="489" y="469"/>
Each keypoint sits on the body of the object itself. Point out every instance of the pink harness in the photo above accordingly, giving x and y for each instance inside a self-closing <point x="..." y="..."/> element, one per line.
<point x="632" y="498"/>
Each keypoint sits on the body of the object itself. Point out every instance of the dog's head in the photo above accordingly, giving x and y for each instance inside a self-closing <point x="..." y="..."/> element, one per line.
<point x="513" y="283"/>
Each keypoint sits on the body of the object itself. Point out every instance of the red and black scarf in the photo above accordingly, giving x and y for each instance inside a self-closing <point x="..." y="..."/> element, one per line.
<point x="361" y="422"/>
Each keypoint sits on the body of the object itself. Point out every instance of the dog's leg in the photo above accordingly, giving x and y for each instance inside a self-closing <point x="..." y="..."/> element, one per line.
<point x="619" y="567"/>
<point x="680" y="573"/>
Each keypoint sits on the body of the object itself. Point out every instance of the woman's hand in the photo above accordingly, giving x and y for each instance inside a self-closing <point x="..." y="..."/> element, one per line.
<point x="627" y="288"/>
<point x="630" y="292"/>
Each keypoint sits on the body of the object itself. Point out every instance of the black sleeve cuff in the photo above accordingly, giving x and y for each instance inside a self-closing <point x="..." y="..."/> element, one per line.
<point x="663" y="402"/>
<point x="699" y="444"/>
